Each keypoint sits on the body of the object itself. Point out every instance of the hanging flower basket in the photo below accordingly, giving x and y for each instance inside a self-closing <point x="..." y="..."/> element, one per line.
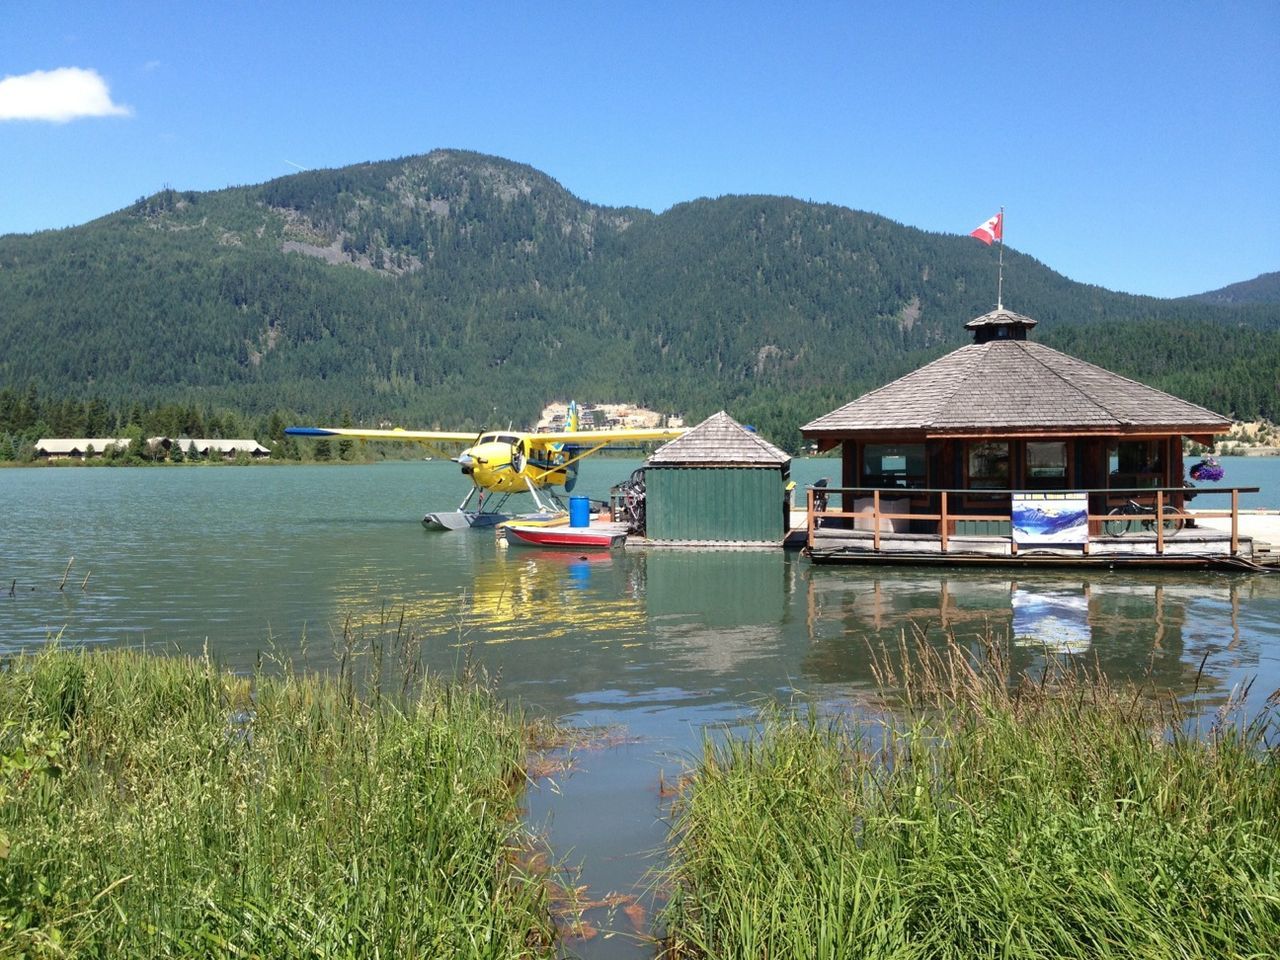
<point x="1208" y="470"/>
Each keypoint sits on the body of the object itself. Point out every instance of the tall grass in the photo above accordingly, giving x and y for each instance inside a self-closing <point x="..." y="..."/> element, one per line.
<point x="154" y="806"/>
<point x="1060" y="816"/>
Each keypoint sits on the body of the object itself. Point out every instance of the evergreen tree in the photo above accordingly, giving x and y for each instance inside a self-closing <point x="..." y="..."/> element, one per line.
<point x="345" y="444"/>
<point x="137" y="448"/>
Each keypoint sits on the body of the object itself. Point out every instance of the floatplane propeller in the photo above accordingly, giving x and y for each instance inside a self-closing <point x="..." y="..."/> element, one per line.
<point x="506" y="462"/>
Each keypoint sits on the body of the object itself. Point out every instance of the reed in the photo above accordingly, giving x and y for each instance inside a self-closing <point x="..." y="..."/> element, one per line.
<point x="158" y="806"/>
<point x="1054" y="816"/>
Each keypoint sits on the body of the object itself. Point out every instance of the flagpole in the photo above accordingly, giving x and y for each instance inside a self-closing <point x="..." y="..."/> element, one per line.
<point x="1000" y="274"/>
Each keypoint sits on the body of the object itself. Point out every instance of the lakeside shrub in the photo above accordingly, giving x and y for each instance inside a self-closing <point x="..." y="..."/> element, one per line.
<point x="1061" y="818"/>
<point x="155" y="806"/>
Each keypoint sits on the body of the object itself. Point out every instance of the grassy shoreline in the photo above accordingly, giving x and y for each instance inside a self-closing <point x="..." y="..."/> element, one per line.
<point x="1060" y="818"/>
<point x="158" y="806"/>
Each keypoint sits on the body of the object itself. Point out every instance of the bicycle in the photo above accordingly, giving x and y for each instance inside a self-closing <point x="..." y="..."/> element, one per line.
<point x="820" y="498"/>
<point x="1131" y="516"/>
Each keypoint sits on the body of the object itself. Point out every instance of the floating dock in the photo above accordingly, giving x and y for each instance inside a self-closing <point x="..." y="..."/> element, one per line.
<point x="1205" y="542"/>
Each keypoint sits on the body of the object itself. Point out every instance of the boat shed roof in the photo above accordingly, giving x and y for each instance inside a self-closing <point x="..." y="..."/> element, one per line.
<point x="719" y="441"/>
<point x="1014" y="386"/>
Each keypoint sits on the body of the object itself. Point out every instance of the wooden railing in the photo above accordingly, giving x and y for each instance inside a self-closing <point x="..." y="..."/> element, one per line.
<point x="1159" y="498"/>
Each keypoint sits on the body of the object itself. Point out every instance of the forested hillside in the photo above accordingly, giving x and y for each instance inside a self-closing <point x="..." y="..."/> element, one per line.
<point x="460" y="290"/>
<point x="1261" y="289"/>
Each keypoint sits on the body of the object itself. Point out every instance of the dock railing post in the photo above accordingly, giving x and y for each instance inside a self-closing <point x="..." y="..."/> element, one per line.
<point x="875" y="519"/>
<point x="1235" y="521"/>
<point x="1160" y="522"/>
<point x="943" y="522"/>
<point x="809" y="516"/>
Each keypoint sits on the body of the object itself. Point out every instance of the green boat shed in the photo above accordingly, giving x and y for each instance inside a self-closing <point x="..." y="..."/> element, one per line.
<point x="718" y="484"/>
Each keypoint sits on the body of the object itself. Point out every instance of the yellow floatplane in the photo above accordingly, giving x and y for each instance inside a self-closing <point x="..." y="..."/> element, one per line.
<point x="505" y="462"/>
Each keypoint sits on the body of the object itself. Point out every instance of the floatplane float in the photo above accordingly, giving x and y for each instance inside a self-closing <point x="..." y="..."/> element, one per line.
<point x="502" y="463"/>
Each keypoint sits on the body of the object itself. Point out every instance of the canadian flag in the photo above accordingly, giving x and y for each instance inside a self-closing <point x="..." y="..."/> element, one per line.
<point x="991" y="231"/>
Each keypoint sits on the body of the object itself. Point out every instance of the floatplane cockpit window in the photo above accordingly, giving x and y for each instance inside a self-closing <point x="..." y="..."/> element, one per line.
<point x="505" y="439"/>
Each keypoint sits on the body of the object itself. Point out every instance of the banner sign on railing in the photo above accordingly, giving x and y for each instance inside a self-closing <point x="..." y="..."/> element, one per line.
<point x="1040" y="518"/>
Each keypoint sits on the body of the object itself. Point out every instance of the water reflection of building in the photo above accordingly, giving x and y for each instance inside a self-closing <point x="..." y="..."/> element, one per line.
<point x="1055" y="621"/>
<point x="1155" y="627"/>
<point x="899" y="601"/>
<point x="717" y="609"/>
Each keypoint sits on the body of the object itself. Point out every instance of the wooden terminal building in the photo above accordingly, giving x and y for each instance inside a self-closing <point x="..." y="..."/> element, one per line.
<point x="945" y="463"/>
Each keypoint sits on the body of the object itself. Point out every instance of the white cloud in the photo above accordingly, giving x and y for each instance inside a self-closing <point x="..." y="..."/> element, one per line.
<point x="57" y="96"/>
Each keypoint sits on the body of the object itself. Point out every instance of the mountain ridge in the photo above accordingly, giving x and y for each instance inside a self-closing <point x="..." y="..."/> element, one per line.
<point x="1264" y="288"/>
<point x="456" y="289"/>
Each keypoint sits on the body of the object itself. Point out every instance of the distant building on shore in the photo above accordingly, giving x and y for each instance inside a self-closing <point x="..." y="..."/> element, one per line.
<point x="82" y="448"/>
<point x="217" y="447"/>
<point x="78" y="448"/>
<point x="604" y="416"/>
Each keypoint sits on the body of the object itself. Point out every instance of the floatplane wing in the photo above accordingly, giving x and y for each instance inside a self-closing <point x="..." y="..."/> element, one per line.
<point x="442" y="442"/>
<point x="603" y="437"/>
<point x="570" y="446"/>
<point x="396" y="433"/>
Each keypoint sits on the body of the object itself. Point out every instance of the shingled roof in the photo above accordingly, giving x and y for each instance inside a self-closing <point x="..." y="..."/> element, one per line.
<point x="719" y="441"/>
<point x="1014" y="385"/>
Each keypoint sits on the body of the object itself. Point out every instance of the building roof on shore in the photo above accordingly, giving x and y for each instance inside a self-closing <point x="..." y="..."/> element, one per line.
<point x="65" y="446"/>
<point x="204" y="445"/>
<point x="719" y="441"/>
<point x="1011" y="385"/>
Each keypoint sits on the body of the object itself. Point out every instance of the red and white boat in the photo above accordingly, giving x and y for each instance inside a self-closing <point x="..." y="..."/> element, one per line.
<point x="558" y="533"/>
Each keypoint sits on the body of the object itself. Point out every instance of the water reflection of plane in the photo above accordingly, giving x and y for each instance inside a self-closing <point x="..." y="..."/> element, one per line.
<point x="1155" y="627"/>
<point x="534" y="594"/>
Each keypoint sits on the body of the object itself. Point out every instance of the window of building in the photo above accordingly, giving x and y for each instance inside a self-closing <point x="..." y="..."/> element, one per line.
<point x="894" y="465"/>
<point x="1135" y="463"/>
<point x="1046" y="464"/>
<point x="988" y="464"/>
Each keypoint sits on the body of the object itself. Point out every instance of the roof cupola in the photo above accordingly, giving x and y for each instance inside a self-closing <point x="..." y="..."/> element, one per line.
<point x="999" y="324"/>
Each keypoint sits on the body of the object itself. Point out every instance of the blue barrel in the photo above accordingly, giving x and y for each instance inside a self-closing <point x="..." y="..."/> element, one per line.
<point x="579" y="512"/>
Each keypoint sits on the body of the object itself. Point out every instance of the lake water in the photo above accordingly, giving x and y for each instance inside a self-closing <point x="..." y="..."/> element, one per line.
<point x="659" y="644"/>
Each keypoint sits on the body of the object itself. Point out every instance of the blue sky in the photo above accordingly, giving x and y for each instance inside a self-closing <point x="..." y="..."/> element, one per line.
<point x="1133" y="145"/>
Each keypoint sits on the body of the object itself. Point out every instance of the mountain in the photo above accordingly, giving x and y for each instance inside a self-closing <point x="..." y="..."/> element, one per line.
<point x="1261" y="289"/>
<point x="456" y="289"/>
